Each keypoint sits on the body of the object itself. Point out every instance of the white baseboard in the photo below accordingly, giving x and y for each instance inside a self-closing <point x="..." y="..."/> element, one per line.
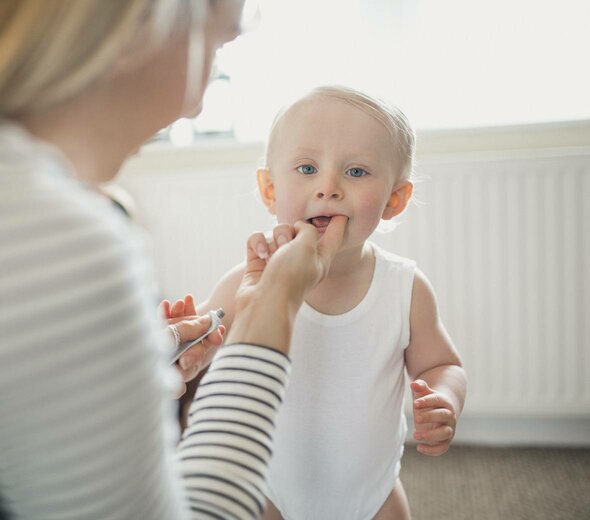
<point x="512" y="431"/>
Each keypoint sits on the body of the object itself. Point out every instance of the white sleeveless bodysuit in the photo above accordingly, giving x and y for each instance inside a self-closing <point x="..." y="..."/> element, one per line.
<point x="340" y="432"/>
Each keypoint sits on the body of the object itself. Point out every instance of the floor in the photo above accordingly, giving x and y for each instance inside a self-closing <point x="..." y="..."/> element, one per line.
<point x="471" y="482"/>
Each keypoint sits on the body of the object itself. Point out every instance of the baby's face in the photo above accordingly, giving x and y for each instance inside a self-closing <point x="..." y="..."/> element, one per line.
<point x="330" y="158"/>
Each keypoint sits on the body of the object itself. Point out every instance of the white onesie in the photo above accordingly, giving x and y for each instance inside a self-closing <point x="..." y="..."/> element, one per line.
<point x="340" y="432"/>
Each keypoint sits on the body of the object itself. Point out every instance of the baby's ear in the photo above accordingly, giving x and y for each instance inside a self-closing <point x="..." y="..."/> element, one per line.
<point x="398" y="200"/>
<point x="266" y="188"/>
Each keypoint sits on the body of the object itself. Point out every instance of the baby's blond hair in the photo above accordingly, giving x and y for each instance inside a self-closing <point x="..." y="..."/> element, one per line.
<point x="391" y="117"/>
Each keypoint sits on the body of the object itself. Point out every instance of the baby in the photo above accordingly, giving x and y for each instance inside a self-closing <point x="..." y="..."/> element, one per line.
<point x="340" y="433"/>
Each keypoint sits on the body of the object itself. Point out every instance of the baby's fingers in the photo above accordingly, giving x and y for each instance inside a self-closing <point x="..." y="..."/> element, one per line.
<point x="435" y="436"/>
<point x="434" y="400"/>
<point x="177" y="310"/>
<point x="435" y="450"/>
<point x="190" y="308"/>
<point x="438" y="415"/>
<point x="420" y="388"/>
<point x="181" y="309"/>
<point x="164" y="309"/>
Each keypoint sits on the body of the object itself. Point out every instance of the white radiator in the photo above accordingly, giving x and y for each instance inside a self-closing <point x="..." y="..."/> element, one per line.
<point x="504" y="239"/>
<point x="506" y="244"/>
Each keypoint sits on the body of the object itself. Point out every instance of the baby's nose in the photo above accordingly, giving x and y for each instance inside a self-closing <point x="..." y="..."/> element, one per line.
<point x="331" y="192"/>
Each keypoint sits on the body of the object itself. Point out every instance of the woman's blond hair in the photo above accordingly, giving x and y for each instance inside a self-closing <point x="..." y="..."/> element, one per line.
<point x="50" y="50"/>
<point x="391" y="117"/>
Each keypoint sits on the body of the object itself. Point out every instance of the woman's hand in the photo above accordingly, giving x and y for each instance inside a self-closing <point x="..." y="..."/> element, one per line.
<point x="183" y="315"/>
<point x="279" y="271"/>
<point x="306" y="258"/>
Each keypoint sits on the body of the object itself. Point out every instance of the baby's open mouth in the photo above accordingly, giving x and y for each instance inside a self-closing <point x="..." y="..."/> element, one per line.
<point x="320" y="222"/>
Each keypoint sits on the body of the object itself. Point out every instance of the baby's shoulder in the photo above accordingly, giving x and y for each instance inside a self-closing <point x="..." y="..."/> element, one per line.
<point x="392" y="260"/>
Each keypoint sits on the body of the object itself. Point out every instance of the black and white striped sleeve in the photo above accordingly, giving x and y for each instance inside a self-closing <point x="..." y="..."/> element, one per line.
<point x="227" y="445"/>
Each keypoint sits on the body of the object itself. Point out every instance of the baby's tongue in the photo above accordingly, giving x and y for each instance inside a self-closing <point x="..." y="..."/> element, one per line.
<point x="321" y="222"/>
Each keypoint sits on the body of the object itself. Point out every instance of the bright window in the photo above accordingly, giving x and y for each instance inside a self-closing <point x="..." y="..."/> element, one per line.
<point x="446" y="63"/>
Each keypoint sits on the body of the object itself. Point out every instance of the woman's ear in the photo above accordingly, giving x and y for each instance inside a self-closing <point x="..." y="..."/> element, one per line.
<point x="266" y="189"/>
<point x="398" y="200"/>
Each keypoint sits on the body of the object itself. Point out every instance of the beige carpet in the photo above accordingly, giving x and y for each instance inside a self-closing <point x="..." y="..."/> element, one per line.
<point x="498" y="484"/>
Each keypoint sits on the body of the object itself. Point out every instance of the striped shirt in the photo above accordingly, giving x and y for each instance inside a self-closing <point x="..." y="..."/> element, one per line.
<point x="87" y="428"/>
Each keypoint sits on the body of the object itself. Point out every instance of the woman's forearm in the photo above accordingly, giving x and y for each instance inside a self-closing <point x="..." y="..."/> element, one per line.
<point x="267" y="320"/>
<point x="226" y="448"/>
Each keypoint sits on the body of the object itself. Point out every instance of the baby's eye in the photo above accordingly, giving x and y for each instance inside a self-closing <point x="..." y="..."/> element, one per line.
<point x="307" y="169"/>
<point x="356" y="172"/>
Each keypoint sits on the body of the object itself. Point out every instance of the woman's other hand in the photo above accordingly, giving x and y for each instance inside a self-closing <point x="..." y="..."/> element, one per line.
<point x="306" y="258"/>
<point x="183" y="315"/>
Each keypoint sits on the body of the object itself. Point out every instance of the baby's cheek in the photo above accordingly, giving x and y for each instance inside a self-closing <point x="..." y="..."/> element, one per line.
<point x="286" y="213"/>
<point x="368" y="224"/>
<point x="289" y="206"/>
<point x="370" y="214"/>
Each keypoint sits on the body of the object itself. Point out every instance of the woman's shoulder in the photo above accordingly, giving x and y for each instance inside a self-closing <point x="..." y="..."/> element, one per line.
<point x="64" y="232"/>
<point x="63" y="247"/>
<point x="46" y="212"/>
<point x="40" y="194"/>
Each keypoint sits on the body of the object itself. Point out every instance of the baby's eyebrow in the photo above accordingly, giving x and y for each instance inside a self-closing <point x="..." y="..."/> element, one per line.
<point x="305" y="149"/>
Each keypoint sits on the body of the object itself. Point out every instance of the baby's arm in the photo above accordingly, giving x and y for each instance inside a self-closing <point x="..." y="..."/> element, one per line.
<point x="438" y="379"/>
<point x="223" y="296"/>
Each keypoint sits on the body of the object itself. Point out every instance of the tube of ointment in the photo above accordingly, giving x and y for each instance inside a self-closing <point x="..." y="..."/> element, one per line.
<point x="216" y="317"/>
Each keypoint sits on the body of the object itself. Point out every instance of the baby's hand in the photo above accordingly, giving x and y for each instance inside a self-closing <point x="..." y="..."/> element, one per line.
<point x="435" y="419"/>
<point x="180" y="309"/>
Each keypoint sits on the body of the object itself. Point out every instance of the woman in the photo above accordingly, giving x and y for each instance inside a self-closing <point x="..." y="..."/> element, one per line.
<point x="87" y="429"/>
